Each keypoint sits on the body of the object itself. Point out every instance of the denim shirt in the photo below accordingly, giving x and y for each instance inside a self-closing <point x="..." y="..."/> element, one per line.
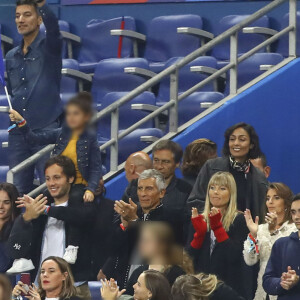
<point x="87" y="148"/>
<point x="34" y="78"/>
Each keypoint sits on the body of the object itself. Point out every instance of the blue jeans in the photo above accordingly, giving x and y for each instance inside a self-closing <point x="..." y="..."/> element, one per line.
<point x="19" y="150"/>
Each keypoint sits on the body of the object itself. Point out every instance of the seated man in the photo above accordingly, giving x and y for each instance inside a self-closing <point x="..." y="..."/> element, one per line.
<point x="261" y="164"/>
<point x="166" y="158"/>
<point x="281" y="277"/>
<point x="43" y="231"/>
<point x="151" y="190"/>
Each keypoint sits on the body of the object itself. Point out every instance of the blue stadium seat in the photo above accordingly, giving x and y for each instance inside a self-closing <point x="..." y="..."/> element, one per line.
<point x="190" y="107"/>
<point x="246" y="41"/>
<point x="127" y="116"/>
<point x="110" y="77"/>
<point x="63" y="26"/>
<point x="94" y="287"/>
<point x="187" y="79"/>
<point x="163" y="41"/>
<point x="283" y="44"/>
<point x="98" y="44"/>
<point x="250" y="68"/>
<point x="3" y="172"/>
<point x="3" y="151"/>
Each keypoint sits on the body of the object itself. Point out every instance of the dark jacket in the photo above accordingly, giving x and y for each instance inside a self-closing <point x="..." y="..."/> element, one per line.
<point x="33" y="79"/>
<point x="285" y="252"/>
<point x="177" y="193"/>
<point x="225" y="292"/>
<point x="125" y="242"/>
<point x="87" y="148"/>
<point x="226" y="260"/>
<point x="28" y="236"/>
<point x="256" y="186"/>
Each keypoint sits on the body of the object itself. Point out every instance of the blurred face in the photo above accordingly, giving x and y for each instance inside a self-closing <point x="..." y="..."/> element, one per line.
<point x="5" y="206"/>
<point x="163" y="161"/>
<point x="295" y="211"/>
<point x="140" y="290"/>
<point x="27" y="20"/>
<point x="219" y="196"/>
<point x="275" y="203"/>
<point x="76" y="118"/>
<point x="149" y="194"/>
<point x="239" y="144"/>
<point x="148" y="245"/>
<point x="51" y="277"/>
<point x="57" y="182"/>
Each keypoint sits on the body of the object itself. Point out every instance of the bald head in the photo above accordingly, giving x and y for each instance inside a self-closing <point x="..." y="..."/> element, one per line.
<point x="136" y="164"/>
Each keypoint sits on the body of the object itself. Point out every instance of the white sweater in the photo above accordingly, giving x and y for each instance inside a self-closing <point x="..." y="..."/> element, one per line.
<point x="265" y="242"/>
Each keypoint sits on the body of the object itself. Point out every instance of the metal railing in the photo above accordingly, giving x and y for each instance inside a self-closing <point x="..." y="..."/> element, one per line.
<point x="172" y="71"/>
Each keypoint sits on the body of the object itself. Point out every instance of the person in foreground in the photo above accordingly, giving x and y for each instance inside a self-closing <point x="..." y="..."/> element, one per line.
<point x="283" y="269"/>
<point x="151" y="285"/>
<point x="5" y="288"/>
<point x="55" y="282"/>
<point x="202" y="287"/>
<point x="240" y="146"/>
<point x="219" y="233"/>
<point x="278" y="223"/>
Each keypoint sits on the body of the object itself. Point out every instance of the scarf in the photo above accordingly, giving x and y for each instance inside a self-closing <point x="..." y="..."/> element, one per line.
<point x="240" y="167"/>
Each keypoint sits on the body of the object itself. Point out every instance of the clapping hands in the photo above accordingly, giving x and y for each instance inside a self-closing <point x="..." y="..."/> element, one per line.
<point x="289" y="279"/>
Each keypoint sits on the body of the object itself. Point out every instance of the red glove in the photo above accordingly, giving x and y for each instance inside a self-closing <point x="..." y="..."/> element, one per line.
<point x="217" y="227"/>
<point x="200" y="227"/>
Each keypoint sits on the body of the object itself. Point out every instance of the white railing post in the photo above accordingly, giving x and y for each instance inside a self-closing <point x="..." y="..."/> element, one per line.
<point x="114" y="136"/>
<point x="293" y="33"/>
<point x="233" y="60"/>
<point x="173" y="117"/>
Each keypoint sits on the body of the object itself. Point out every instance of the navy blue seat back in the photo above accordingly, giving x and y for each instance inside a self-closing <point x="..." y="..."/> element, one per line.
<point x="283" y="44"/>
<point x="187" y="79"/>
<point x="3" y="151"/>
<point x="3" y="173"/>
<point x="69" y="85"/>
<point x="95" y="287"/>
<point x="245" y="41"/>
<point x="63" y="26"/>
<point x="110" y="77"/>
<point x="98" y="44"/>
<point x="190" y="107"/>
<point x="127" y="116"/>
<point x="163" y="41"/>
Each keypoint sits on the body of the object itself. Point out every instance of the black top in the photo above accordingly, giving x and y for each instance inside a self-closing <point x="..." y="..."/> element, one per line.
<point x="226" y="260"/>
<point x="225" y="292"/>
<point x="242" y="192"/>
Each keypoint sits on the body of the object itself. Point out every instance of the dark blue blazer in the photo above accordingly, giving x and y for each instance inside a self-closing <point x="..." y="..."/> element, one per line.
<point x="87" y="148"/>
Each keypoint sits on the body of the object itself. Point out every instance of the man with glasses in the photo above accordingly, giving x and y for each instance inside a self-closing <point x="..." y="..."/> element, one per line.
<point x="166" y="159"/>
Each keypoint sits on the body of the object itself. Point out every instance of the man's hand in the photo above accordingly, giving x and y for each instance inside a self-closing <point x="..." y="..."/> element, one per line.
<point x="34" y="207"/>
<point x="15" y="116"/>
<point x="289" y="279"/>
<point x="127" y="211"/>
<point x="101" y="275"/>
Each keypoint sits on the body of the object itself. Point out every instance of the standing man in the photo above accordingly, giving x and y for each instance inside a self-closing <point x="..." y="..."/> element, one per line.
<point x="34" y="74"/>
<point x="43" y="230"/>
<point x="282" y="272"/>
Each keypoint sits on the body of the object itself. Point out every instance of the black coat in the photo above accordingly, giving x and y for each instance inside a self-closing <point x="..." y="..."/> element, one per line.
<point x="225" y="292"/>
<point x="226" y="260"/>
<point x="256" y="186"/>
<point x="29" y="236"/>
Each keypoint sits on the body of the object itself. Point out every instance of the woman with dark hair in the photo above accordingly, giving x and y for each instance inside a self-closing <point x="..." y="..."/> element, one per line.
<point x="195" y="156"/>
<point x="5" y="288"/>
<point x="278" y="223"/>
<point x="55" y="282"/>
<point x="8" y="213"/>
<point x="202" y="287"/>
<point x="151" y="285"/>
<point x="241" y="144"/>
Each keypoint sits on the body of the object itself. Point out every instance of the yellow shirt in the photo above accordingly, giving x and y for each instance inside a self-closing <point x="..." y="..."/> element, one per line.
<point x="71" y="152"/>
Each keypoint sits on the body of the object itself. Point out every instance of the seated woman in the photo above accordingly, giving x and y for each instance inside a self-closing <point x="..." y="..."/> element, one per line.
<point x="159" y="252"/>
<point x="278" y="223"/>
<point x="55" y="282"/>
<point x="202" y="287"/>
<point x="9" y="212"/>
<point x="151" y="285"/>
<point x="219" y="233"/>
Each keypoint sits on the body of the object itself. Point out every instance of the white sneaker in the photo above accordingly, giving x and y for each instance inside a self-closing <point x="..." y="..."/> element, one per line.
<point x="21" y="265"/>
<point x="70" y="255"/>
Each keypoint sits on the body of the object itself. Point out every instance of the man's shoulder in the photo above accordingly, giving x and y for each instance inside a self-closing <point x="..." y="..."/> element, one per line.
<point x="10" y="54"/>
<point x="183" y="186"/>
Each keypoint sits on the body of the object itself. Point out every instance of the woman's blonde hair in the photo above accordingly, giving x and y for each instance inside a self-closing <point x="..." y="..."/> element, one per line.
<point x="68" y="289"/>
<point x="227" y="180"/>
<point x="194" y="287"/>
